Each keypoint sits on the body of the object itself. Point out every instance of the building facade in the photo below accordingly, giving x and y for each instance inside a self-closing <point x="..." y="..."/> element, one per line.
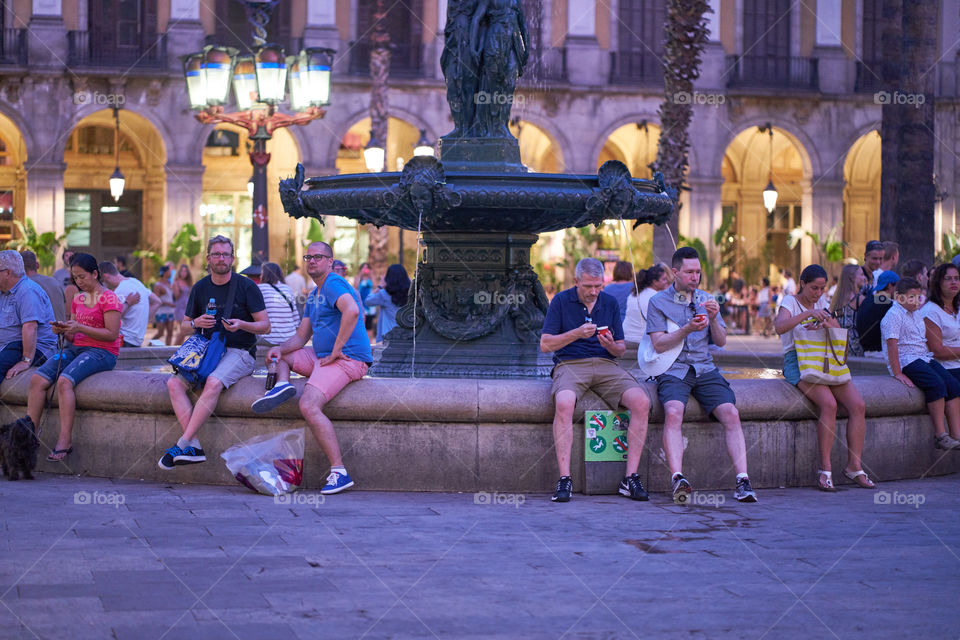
<point x="591" y="93"/>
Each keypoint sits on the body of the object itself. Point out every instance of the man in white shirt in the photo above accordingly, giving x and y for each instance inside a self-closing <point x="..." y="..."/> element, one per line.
<point x="136" y="300"/>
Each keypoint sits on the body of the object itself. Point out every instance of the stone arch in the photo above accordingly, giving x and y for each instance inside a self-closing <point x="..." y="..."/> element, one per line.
<point x="13" y="183"/>
<point x="635" y="145"/>
<point x="560" y="142"/>
<point x="861" y="192"/>
<point x="343" y="126"/>
<point x="810" y="158"/>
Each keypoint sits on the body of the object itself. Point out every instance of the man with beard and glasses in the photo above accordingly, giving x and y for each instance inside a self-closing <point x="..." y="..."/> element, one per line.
<point x="247" y="319"/>
<point x="340" y="355"/>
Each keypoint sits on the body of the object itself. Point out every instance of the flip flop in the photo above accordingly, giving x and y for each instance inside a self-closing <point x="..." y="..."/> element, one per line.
<point x="65" y="452"/>
<point x="825" y="485"/>
<point x="860" y="478"/>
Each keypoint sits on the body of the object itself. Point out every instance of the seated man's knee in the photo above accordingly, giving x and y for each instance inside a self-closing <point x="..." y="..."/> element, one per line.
<point x="64" y="384"/>
<point x="673" y="410"/>
<point x="728" y="415"/>
<point x="212" y="387"/>
<point x="636" y="400"/>
<point x="565" y="402"/>
<point x="175" y="385"/>
<point x="312" y="401"/>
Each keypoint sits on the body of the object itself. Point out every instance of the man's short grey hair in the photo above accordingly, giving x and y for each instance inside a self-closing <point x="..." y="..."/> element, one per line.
<point x="10" y="259"/>
<point x="591" y="267"/>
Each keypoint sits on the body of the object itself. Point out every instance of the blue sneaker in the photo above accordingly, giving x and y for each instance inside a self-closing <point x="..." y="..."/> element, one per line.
<point x="336" y="482"/>
<point x="189" y="455"/>
<point x="167" y="461"/>
<point x="274" y="398"/>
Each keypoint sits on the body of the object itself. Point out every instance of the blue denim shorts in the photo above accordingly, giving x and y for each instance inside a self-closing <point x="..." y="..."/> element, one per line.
<point x="791" y="367"/>
<point x="78" y="363"/>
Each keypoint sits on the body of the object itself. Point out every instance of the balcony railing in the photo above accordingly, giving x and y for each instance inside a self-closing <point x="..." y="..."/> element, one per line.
<point x="405" y="60"/>
<point x="13" y="47"/>
<point x="635" y="67"/>
<point x="868" y="77"/>
<point x="773" y="72"/>
<point x="82" y="51"/>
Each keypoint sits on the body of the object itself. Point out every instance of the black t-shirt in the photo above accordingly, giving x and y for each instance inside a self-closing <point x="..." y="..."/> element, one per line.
<point x="247" y="301"/>
<point x="868" y="319"/>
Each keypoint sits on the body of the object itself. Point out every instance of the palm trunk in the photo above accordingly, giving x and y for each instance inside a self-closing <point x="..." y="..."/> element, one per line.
<point x="379" y="124"/>
<point x="686" y="35"/>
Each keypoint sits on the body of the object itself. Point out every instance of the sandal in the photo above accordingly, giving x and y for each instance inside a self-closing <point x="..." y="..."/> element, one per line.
<point x="860" y="478"/>
<point x="825" y="481"/>
<point x="63" y="453"/>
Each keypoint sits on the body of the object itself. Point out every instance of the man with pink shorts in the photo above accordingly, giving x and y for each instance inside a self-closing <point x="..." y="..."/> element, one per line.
<point x="340" y="354"/>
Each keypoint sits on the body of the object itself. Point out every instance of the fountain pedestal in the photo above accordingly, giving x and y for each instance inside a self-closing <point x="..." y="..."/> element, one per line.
<point x="478" y="311"/>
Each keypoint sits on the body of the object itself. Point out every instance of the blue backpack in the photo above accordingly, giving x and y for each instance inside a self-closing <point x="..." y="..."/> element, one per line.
<point x="197" y="357"/>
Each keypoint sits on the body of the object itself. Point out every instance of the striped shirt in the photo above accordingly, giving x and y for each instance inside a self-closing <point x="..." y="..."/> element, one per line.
<point x="284" y="320"/>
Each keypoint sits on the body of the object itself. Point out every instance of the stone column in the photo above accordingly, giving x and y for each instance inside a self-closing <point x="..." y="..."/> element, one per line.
<point x="827" y="213"/>
<point x="321" y="28"/>
<point x="581" y="43"/>
<point x="47" y="35"/>
<point x="184" y="31"/>
<point x="184" y="195"/>
<point x="45" y="196"/>
<point x="704" y="210"/>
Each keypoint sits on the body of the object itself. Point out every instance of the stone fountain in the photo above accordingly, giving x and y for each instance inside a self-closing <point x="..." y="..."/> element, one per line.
<point x="476" y="306"/>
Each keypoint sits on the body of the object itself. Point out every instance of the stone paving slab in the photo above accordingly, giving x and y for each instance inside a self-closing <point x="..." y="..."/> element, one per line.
<point x="189" y="561"/>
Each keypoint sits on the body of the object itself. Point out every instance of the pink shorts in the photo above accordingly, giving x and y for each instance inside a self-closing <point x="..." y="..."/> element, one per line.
<point x="328" y="380"/>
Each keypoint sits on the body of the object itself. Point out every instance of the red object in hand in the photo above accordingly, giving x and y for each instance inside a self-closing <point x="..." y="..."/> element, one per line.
<point x="606" y="331"/>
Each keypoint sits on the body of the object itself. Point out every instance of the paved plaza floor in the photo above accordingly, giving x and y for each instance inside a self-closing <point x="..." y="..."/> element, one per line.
<point x="93" y="558"/>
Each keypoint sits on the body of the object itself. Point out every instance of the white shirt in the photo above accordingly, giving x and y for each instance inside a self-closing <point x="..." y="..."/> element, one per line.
<point x="789" y="287"/>
<point x="949" y="329"/>
<point x="876" y="275"/>
<point x="635" y="323"/>
<point x="791" y="304"/>
<point x="911" y="334"/>
<point x="296" y="282"/>
<point x="133" y="321"/>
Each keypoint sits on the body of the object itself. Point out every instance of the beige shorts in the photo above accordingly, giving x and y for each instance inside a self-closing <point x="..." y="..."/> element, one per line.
<point x="329" y="380"/>
<point x="604" y="377"/>
<point x="235" y="364"/>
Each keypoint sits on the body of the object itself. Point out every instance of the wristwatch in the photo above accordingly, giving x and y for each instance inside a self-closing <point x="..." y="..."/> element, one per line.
<point x="26" y="359"/>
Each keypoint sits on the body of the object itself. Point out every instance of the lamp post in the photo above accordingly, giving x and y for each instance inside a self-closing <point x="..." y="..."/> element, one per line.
<point x="116" y="178"/>
<point x="260" y="83"/>
<point x="769" y="192"/>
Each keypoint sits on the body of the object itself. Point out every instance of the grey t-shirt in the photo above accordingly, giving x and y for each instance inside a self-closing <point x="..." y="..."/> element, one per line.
<point x="27" y="302"/>
<point x="680" y="308"/>
<point x="55" y="292"/>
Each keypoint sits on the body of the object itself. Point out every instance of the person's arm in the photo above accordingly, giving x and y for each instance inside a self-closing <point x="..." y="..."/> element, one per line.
<point x="935" y="342"/>
<point x="259" y="326"/>
<point x="550" y="342"/>
<point x="107" y="333"/>
<point x="298" y="340"/>
<point x="349" y="314"/>
<point x="28" y="334"/>
<point x="893" y="359"/>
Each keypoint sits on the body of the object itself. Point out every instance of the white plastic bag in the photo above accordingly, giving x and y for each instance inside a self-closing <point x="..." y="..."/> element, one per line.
<point x="270" y="464"/>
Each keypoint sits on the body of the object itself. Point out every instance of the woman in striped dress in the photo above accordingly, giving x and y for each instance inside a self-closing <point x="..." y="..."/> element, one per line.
<point x="281" y="304"/>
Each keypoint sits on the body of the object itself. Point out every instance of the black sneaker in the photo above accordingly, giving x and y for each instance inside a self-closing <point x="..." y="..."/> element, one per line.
<point x="744" y="492"/>
<point x="681" y="490"/>
<point x="189" y="455"/>
<point x="166" y="462"/>
<point x="631" y="487"/>
<point x="564" y="489"/>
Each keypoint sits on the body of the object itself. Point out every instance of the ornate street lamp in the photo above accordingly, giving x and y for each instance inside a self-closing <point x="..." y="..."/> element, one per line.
<point x="374" y="154"/>
<point x="116" y="179"/>
<point x="769" y="192"/>
<point x="260" y="84"/>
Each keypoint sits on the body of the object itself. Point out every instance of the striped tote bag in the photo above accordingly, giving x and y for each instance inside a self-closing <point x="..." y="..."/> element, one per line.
<point x="822" y="355"/>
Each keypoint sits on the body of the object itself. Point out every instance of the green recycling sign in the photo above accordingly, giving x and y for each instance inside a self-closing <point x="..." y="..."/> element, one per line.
<point x="605" y="436"/>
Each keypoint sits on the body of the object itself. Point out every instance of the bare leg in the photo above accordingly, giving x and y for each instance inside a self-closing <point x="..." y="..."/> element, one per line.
<point x="68" y="407"/>
<point x="952" y="410"/>
<point x="827" y="422"/>
<point x="311" y="406"/>
<point x="673" y="436"/>
<point x="729" y="417"/>
<point x="639" y="405"/>
<point x="936" y="414"/>
<point x="564" y="402"/>
<point x="204" y="407"/>
<point x="849" y="397"/>
<point x="182" y="406"/>
<point x="36" y="397"/>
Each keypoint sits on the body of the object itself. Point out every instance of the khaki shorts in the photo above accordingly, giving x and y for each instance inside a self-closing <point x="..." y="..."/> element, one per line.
<point x="235" y="364"/>
<point x="329" y="380"/>
<point x="604" y="377"/>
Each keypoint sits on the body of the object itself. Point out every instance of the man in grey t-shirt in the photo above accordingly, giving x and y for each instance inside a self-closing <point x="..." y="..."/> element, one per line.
<point x="695" y="312"/>
<point x="25" y="315"/>
<point x="53" y="288"/>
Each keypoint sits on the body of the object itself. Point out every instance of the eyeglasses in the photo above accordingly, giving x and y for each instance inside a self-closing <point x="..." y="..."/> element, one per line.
<point x="314" y="256"/>
<point x="220" y="255"/>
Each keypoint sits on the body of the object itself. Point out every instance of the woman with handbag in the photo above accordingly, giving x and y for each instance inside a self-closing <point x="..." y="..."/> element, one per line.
<point x="804" y="323"/>
<point x="281" y="305"/>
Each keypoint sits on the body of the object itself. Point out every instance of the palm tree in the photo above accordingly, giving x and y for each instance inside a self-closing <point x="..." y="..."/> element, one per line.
<point x="908" y="192"/>
<point x="685" y="36"/>
<point x="379" y="121"/>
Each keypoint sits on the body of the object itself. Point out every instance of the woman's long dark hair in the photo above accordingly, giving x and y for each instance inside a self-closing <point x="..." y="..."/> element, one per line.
<point x="88" y="263"/>
<point x="934" y="290"/>
<point x="397" y="283"/>
<point x="810" y="273"/>
<point x="646" y="277"/>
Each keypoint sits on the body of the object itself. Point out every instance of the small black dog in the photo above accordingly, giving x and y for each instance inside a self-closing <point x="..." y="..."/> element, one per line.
<point x="18" y="449"/>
